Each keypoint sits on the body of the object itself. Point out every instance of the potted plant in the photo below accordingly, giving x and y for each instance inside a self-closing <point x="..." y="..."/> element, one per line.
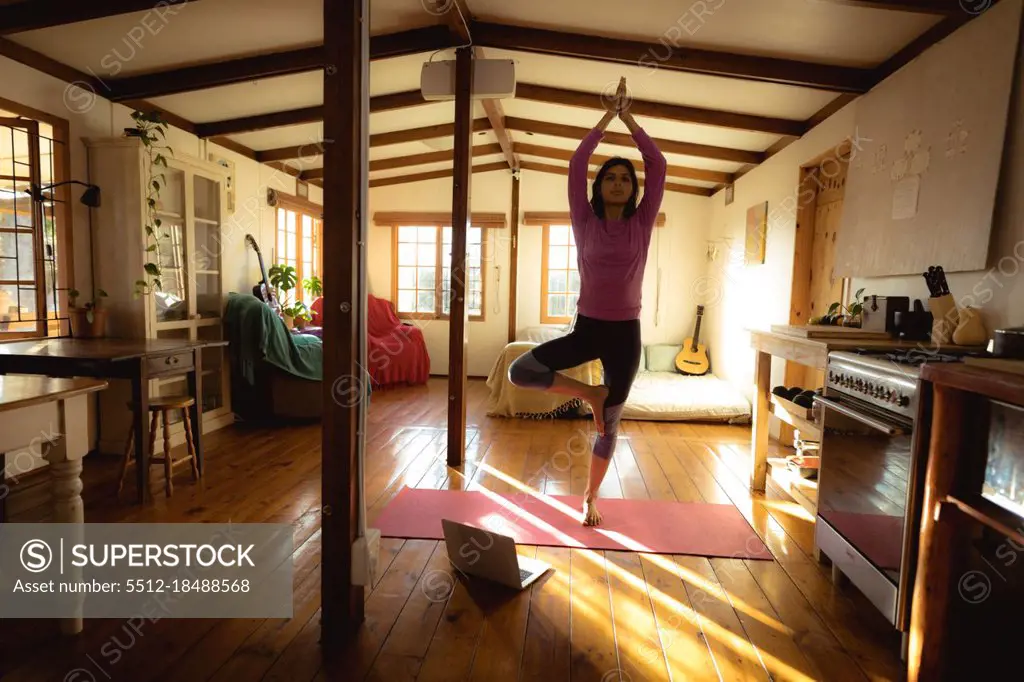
<point x="90" y="320"/>
<point x="300" y="314"/>
<point x="843" y="316"/>
<point x="284" y="278"/>
<point x="313" y="286"/>
<point x="151" y="128"/>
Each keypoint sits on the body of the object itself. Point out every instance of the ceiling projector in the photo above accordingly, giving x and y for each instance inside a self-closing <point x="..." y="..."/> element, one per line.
<point x="492" y="79"/>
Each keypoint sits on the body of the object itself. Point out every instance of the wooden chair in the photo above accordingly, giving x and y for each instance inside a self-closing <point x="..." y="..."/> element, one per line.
<point x="161" y="407"/>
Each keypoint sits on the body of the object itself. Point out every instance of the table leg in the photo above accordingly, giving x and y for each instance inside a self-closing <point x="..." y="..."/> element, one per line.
<point x="759" y="432"/>
<point x="66" y="486"/>
<point x="195" y="413"/>
<point x="140" y="398"/>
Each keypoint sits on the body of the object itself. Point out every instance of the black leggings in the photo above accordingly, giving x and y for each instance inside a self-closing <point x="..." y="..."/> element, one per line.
<point x="616" y="344"/>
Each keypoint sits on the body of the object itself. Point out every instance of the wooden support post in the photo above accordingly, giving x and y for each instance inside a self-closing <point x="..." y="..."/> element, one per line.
<point x="343" y="386"/>
<point x="513" y="260"/>
<point x="458" y="339"/>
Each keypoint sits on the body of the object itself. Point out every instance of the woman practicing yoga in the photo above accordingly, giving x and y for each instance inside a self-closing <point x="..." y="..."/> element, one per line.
<point x="612" y="233"/>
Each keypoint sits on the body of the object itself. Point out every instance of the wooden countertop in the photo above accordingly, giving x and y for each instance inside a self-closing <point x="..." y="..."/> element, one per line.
<point x="17" y="391"/>
<point x="994" y="383"/>
<point x="102" y="349"/>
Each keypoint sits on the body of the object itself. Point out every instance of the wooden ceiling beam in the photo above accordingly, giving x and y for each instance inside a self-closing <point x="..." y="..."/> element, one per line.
<point x="283" y="63"/>
<point x="433" y="175"/>
<point x="662" y="110"/>
<point x="651" y="55"/>
<point x="314" y="114"/>
<point x="563" y="171"/>
<point x="412" y="160"/>
<point x="496" y="116"/>
<point x="701" y="174"/>
<point x="943" y="7"/>
<point x="36" y="14"/>
<point x="624" y="140"/>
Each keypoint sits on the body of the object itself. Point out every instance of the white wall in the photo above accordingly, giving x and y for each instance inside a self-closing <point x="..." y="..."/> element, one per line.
<point x="755" y="297"/>
<point x="676" y="249"/>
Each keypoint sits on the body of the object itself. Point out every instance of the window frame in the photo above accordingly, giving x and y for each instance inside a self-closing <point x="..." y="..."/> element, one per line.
<point x="56" y="323"/>
<point x="300" y="207"/>
<point x="439" y="265"/>
<point x="545" y="318"/>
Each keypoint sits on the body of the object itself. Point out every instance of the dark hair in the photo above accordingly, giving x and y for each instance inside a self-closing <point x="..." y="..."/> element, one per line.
<point x="597" y="201"/>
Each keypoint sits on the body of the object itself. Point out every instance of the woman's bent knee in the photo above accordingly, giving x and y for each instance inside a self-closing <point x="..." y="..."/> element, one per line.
<point x="528" y="371"/>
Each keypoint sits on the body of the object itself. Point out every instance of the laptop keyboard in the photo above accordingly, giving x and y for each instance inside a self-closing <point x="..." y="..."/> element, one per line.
<point x="524" y="574"/>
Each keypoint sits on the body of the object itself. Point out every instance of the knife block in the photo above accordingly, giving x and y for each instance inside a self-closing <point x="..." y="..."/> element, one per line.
<point x="945" y="318"/>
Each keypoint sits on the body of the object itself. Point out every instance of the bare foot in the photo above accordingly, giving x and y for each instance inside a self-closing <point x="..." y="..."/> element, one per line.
<point x="596" y="399"/>
<point x="592" y="517"/>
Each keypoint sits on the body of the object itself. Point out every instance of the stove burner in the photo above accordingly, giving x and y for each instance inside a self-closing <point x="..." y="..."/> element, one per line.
<point x="915" y="357"/>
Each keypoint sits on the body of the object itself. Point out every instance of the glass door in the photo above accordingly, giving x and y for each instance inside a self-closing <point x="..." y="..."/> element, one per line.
<point x="172" y="301"/>
<point x="208" y="263"/>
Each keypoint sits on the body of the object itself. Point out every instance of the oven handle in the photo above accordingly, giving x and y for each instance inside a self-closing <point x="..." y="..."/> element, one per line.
<point x="864" y="419"/>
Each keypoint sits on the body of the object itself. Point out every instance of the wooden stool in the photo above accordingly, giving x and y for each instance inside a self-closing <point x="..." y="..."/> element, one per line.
<point x="161" y="407"/>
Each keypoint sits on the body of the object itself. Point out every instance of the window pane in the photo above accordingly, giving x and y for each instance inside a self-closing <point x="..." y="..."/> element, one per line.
<point x="556" y="305"/>
<point x="406" y="301"/>
<point x="558" y="257"/>
<point x="406" y="278"/>
<point x="573" y="298"/>
<point x="307" y="225"/>
<point x="407" y="254"/>
<point x="12" y="309"/>
<point x="447" y="238"/>
<point x="406" y="234"/>
<point x="572" y="257"/>
<point x="427" y="235"/>
<point x="557" y="281"/>
<point x="473" y="254"/>
<point x="425" y="279"/>
<point x="17" y="256"/>
<point x="574" y="281"/>
<point x="475" y="235"/>
<point x="425" y="302"/>
<point x="427" y="254"/>
<point x="290" y="222"/>
<point x="559" y="235"/>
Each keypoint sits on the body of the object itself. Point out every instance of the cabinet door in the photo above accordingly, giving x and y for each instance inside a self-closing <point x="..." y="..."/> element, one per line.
<point x="171" y="303"/>
<point x="207" y="216"/>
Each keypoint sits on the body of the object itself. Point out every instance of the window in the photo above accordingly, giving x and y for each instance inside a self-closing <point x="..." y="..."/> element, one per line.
<point x="35" y="246"/>
<point x="299" y="242"/>
<point x="422" y="271"/>
<point x="560" y="276"/>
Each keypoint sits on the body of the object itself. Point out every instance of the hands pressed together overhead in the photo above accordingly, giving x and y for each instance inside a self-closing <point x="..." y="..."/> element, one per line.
<point x="617" y="106"/>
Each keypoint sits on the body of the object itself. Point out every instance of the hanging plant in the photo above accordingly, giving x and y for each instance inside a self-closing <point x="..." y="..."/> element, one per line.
<point x="152" y="130"/>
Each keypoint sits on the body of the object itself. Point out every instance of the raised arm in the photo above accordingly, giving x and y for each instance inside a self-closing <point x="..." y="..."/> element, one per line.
<point x="655" y="168"/>
<point x="579" y="206"/>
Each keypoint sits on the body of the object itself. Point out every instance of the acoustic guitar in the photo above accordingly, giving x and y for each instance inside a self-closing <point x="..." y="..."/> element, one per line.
<point x="263" y="290"/>
<point x="693" y="358"/>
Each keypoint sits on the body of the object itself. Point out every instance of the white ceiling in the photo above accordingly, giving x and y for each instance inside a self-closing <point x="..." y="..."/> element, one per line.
<point x="822" y="31"/>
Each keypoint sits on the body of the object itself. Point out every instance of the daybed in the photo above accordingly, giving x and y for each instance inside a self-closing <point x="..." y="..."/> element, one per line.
<point x="659" y="393"/>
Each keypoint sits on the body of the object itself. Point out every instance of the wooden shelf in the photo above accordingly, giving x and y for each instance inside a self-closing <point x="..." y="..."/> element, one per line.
<point x="207" y="221"/>
<point x="780" y="407"/>
<point x="802" y="490"/>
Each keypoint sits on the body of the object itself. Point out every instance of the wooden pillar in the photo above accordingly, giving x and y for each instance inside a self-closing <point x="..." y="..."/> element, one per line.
<point x="513" y="260"/>
<point x="458" y="339"/>
<point x="343" y="183"/>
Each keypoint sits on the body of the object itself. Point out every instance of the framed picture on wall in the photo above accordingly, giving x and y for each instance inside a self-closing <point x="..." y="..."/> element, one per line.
<point x="757" y="233"/>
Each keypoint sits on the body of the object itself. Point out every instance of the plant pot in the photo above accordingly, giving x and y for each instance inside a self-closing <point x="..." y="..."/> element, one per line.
<point x="300" y="323"/>
<point x="289" y="322"/>
<point x="82" y="328"/>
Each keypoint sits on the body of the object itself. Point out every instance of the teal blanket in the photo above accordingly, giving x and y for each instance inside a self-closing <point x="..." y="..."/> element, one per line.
<point x="256" y="334"/>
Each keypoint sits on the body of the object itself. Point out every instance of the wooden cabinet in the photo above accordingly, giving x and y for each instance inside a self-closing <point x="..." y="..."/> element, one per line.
<point x="191" y="206"/>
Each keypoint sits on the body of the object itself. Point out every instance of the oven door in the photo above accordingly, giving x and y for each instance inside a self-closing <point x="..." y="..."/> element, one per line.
<point x="863" y="487"/>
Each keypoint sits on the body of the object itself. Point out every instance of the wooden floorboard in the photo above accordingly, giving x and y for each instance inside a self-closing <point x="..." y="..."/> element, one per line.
<point x="600" y="615"/>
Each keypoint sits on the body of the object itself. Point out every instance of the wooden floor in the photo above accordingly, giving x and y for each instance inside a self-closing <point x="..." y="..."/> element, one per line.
<point x="601" y="616"/>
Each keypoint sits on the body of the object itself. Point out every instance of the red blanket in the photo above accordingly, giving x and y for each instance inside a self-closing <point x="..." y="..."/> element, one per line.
<point x="396" y="353"/>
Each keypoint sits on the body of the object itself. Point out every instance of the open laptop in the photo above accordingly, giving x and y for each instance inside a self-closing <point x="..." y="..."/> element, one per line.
<point x="490" y="555"/>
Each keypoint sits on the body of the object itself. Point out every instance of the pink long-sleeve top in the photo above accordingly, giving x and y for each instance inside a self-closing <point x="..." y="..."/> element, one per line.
<point x="612" y="254"/>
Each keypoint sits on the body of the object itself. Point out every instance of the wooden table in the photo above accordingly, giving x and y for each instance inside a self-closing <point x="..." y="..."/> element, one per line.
<point x="137" y="360"/>
<point x="809" y="352"/>
<point x="40" y="416"/>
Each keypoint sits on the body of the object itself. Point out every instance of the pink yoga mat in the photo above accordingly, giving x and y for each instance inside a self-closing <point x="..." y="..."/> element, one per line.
<point x="654" y="526"/>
